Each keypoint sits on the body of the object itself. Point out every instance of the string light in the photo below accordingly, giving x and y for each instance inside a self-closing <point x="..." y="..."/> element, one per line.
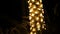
<point x="38" y="26"/>
<point x="36" y="12"/>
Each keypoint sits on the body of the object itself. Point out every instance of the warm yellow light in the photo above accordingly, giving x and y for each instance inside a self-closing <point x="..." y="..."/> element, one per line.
<point x="38" y="23"/>
<point x="41" y="5"/>
<point x="29" y="1"/>
<point x="40" y="0"/>
<point x="34" y="29"/>
<point x="29" y="7"/>
<point x="30" y="4"/>
<point x="37" y="3"/>
<point x="43" y="25"/>
<point x="32" y="14"/>
<point x="31" y="32"/>
<point x="33" y="25"/>
<point x="31" y="10"/>
<point x="45" y="28"/>
<point x="41" y="19"/>
<point x="32" y="20"/>
<point x="33" y="0"/>
<point x="34" y="6"/>
<point x="42" y="10"/>
<point x="36" y="12"/>
<point x="34" y="32"/>
<point x="30" y="17"/>
<point x="41" y="15"/>
<point x="37" y="18"/>
<point x="39" y="9"/>
<point x="38" y="29"/>
<point x="30" y="28"/>
<point x="38" y="26"/>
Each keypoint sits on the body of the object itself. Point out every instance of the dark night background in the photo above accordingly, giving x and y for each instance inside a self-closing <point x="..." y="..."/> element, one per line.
<point x="17" y="20"/>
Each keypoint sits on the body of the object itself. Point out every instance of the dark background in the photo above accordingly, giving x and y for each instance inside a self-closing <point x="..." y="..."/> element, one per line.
<point x="11" y="18"/>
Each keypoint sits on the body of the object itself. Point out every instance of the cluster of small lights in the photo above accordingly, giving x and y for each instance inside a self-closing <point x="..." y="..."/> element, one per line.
<point x="36" y="17"/>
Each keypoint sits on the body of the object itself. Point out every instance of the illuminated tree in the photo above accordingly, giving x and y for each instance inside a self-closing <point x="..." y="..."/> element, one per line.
<point x="36" y="12"/>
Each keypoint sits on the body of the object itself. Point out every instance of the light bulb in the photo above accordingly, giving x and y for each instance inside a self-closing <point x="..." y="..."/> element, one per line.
<point x="39" y="8"/>
<point x="29" y="7"/>
<point x="40" y="0"/>
<point x="38" y="26"/>
<point x="37" y="18"/>
<point x="31" y="10"/>
<point x="41" y="15"/>
<point x="41" y="19"/>
<point x="32" y="14"/>
<point x="41" y="5"/>
<point x="31" y="32"/>
<point x="30" y="4"/>
<point x="36" y="12"/>
<point x="37" y="3"/>
<point x="37" y="23"/>
<point x="38" y="29"/>
<point x="43" y="25"/>
<point x="28" y="1"/>
<point x="34" y="32"/>
<point x="34" y="29"/>
<point x="30" y="17"/>
<point x="33" y="25"/>
<point x="42" y="10"/>
<point x="33" y="0"/>
<point x="30" y="28"/>
<point x="34" y="6"/>
<point x="32" y="20"/>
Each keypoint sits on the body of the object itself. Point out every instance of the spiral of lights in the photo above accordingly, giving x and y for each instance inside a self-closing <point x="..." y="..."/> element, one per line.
<point x="36" y="17"/>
